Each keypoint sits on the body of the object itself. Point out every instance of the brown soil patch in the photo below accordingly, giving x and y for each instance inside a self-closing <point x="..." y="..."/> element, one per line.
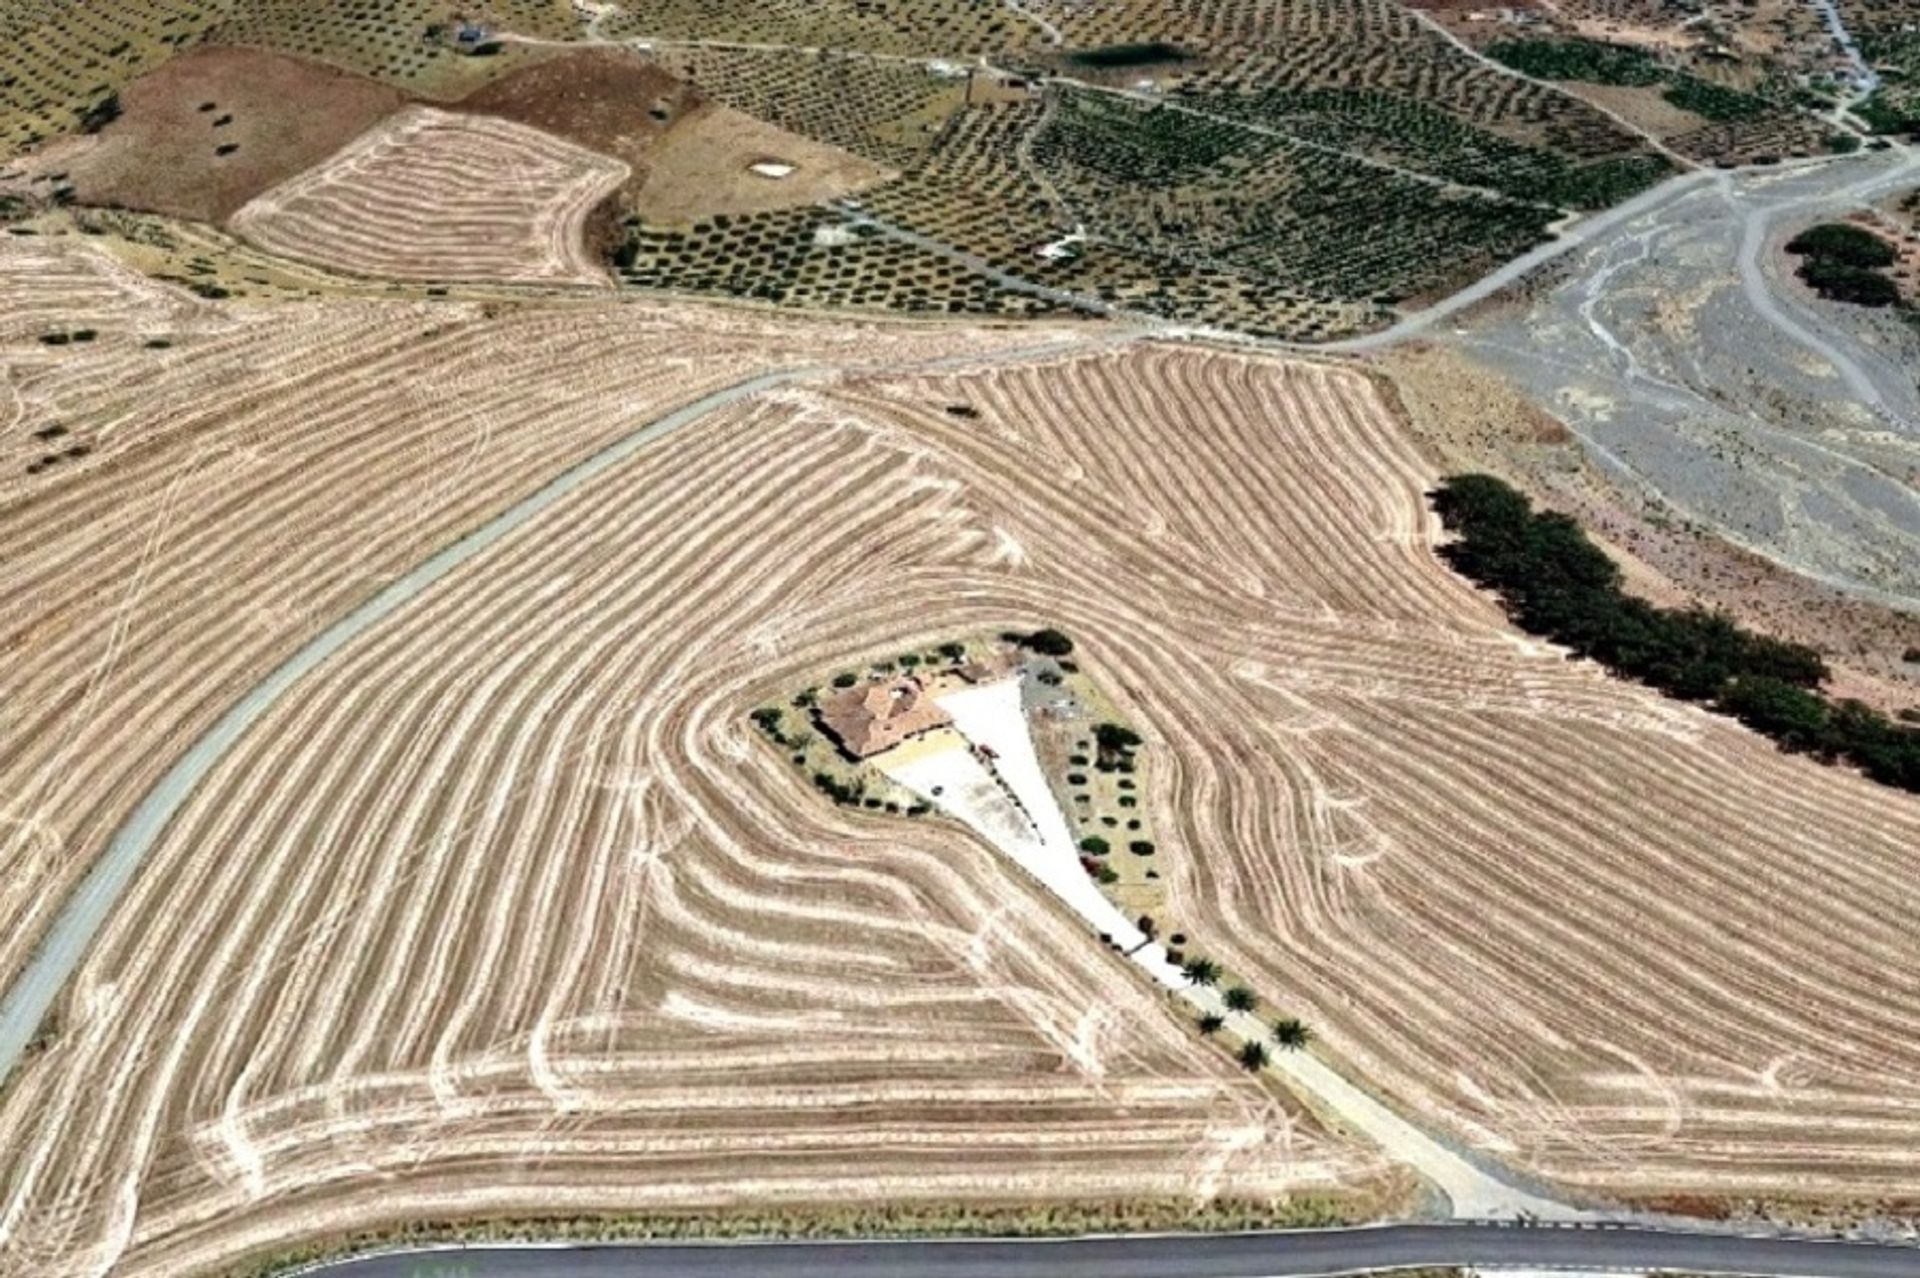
<point x="689" y="156"/>
<point x="701" y="167"/>
<point x="603" y="99"/>
<point x="277" y="114"/>
<point x="1641" y="105"/>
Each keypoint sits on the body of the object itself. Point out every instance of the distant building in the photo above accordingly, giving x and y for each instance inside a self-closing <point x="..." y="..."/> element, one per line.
<point x="873" y="717"/>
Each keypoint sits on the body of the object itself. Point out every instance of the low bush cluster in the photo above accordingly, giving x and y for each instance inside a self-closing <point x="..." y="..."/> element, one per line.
<point x="1842" y="262"/>
<point x="1557" y="583"/>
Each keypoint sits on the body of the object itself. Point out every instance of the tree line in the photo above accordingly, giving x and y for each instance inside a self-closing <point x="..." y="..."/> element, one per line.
<point x="1554" y="582"/>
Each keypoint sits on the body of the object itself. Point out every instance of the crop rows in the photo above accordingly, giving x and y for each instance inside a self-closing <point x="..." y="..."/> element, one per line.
<point x="1623" y="938"/>
<point x="408" y="43"/>
<point x="526" y="919"/>
<point x="886" y="112"/>
<point x="218" y="439"/>
<point x="899" y="27"/>
<point x="430" y="195"/>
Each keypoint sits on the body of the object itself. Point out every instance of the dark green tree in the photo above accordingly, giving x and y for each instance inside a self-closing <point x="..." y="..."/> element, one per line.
<point x="1201" y="971"/>
<point x="1292" y="1033"/>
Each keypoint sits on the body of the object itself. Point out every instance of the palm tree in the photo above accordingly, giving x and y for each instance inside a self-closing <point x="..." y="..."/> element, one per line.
<point x="1211" y="1024"/>
<point x="1240" y="999"/>
<point x="1201" y="971"/>
<point x="1292" y="1033"/>
<point x="1253" y="1055"/>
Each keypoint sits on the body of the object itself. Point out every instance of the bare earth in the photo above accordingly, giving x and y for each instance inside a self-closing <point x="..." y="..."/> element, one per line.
<point x="507" y="911"/>
<point x="513" y="873"/>
<point x="432" y="195"/>
<point x="700" y="168"/>
<point x="207" y="131"/>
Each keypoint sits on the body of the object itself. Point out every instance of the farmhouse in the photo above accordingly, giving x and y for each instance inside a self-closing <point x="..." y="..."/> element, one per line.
<point x="875" y="716"/>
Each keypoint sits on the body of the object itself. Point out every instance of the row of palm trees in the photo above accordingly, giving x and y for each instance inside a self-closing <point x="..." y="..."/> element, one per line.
<point x="1289" y="1032"/>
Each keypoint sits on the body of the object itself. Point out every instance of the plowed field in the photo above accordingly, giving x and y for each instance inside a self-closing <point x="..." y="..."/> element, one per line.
<point x="431" y="195"/>
<point x="598" y="954"/>
<point x="508" y="904"/>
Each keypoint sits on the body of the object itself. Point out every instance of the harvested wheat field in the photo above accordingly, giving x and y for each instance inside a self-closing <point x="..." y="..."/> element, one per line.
<point x="433" y="195"/>
<point x="505" y="910"/>
<point x="509" y="904"/>
<point x="175" y="519"/>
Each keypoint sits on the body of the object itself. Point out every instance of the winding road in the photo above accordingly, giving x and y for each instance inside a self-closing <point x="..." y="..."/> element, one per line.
<point x="1266" y="1255"/>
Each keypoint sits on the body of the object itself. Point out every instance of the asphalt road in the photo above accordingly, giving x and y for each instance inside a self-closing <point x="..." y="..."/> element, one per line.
<point x="1273" y="1255"/>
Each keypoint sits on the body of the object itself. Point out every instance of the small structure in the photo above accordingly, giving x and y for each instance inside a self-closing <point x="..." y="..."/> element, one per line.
<point x="873" y="717"/>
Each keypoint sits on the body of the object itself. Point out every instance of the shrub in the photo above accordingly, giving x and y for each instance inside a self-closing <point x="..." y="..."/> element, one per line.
<point x="845" y="679"/>
<point x="1292" y="1033"/>
<point x="1843" y="243"/>
<point x="1551" y="584"/>
<point x="1094" y="845"/>
<point x="1047" y="642"/>
<point x="101" y="114"/>
<point x="1850" y="284"/>
<point x="1715" y="102"/>
<point x="1141" y="847"/>
<point x="1113" y="56"/>
<point x="1883" y="115"/>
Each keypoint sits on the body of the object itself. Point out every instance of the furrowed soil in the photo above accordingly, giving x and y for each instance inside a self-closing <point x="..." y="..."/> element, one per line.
<point x="674" y="1000"/>
<point x="529" y="912"/>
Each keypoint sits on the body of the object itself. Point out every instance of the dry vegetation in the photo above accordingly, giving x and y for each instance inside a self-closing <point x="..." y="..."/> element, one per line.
<point x="528" y="916"/>
<point x="173" y="560"/>
<point x="432" y="195"/>
<point x="524" y="920"/>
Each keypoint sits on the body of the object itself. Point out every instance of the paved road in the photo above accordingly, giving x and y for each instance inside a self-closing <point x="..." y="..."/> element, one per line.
<point x="1275" y="1255"/>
